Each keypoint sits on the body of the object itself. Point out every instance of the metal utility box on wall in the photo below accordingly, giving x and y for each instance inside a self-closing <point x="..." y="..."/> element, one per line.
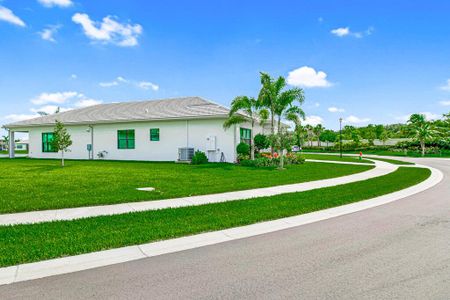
<point x="211" y="143"/>
<point x="185" y="154"/>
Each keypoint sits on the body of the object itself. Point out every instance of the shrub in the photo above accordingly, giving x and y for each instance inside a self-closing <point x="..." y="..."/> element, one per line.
<point x="261" y="142"/>
<point x="248" y="163"/>
<point x="294" y="159"/>
<point x="243" y="149"/>
<point x="199" y="158"/>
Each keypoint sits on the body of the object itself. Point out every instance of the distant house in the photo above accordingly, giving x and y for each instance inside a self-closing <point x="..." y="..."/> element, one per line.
<point x="158" y="130"/>
<point x="21" y="145"/>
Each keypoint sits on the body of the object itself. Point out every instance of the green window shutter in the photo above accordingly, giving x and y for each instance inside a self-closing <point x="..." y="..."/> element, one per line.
<point x="125" y="139"/>
<point x="246" y="135"/>
<point x="47" y="138"/>
<point x="154" y="134"/>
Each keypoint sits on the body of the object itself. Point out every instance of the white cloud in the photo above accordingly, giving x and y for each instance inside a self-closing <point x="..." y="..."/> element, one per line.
<point x="334" y="109"/>
<point x="58" y="98"/>
<point x="87" y="102"/>
<point x="345" y="31"/>
<point x="447" y="86"/>
<point x="340" y="32"/>
<point x="428" y="115"/>
<point x="20" y="117"/>
<point x="320" y="20"/>
<point x="356" y="120"/>
<point x="8" y="16"/>
<point x="313" y="120"/>
<point x="147" y="85"/>
<point x="108" y="84"/>
<point x="109" y="30"/>
<point x="73" y="76"/>
<point x="48" y="33"/>
<point x="308" y="77"/>
<point x="431" y="116"/>
<point x="60" y="3"/>
<point x="445" y="103"/>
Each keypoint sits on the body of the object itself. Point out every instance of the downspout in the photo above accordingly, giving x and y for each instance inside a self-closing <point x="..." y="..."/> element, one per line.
<point x="234" y="143"/>
<point x="91" y="127"/>
<point x="187" y="133"/>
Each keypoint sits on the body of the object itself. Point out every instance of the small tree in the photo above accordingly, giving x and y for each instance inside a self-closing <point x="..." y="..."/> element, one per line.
<point x="281" y="142"/>
<point x="6" y="141"/>
<point x="420" y="129"/>
<point x="261" y="142"/>
<point x="61" y="140"/>
<point x="328" y="136"/>
<point x="384" y="137"/>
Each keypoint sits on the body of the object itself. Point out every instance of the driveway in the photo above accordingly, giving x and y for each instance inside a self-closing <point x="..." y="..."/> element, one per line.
<point x="400" y="250"/>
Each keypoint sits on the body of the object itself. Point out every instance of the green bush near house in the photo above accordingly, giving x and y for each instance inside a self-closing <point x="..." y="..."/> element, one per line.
<point x="199" y="158"/>
<point x="243" y="149"/>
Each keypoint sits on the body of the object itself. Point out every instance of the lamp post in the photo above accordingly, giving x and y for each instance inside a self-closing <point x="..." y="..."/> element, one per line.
<point x="340" y="137"/>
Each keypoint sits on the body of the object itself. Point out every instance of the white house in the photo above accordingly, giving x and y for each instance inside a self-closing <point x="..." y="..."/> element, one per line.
<point x="158" y="130"/>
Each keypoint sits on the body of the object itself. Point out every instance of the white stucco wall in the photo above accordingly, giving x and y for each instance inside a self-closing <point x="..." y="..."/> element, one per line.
<point x="173" y="135"/>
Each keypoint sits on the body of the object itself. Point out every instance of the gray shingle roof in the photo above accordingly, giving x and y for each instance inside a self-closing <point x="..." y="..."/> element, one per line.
<point x="177" y="108"/>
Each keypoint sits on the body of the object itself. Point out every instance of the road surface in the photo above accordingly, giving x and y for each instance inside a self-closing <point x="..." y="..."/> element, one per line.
<point x="396" y="251"/>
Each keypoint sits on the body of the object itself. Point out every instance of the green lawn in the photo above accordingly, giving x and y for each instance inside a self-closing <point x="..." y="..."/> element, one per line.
<point x="393" y="161"/>
<point x="16" y="152"/>
<point x="31" y="184"/>
<point x="28" y="243"/>
<point x="336" y="158"/>
<point x="348" y="158"/>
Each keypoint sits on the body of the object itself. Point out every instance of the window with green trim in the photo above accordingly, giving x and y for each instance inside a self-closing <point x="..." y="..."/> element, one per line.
<point x="125" y="139"/>
<point x="154" y="134"/>
<point x="47" y="139"/>
<point x="246" y="136"/>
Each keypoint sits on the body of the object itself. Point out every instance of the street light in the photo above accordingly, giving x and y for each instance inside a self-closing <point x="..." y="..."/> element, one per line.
<point x="340" y="137"/>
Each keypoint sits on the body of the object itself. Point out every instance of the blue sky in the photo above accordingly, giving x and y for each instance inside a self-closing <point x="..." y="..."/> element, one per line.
<point x="365" y="61"/>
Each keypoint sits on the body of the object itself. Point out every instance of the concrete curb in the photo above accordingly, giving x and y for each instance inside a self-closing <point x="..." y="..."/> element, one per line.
<point x="381" y="168"/>
<point x="109" y="257"/>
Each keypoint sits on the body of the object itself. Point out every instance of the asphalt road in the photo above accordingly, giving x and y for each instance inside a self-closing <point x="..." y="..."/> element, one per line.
<point x="396" y="251"/>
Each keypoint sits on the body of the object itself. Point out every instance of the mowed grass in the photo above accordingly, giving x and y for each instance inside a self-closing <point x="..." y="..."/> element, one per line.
<point x="331" y="157"/>
<point x="393" y="161"/>
<point x="28" y="243"/>
<point x="347" y="158"/>
<point x="30" y="184"/>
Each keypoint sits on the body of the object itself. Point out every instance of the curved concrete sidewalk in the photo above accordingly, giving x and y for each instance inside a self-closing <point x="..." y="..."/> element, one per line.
<point x="119" y="255"/>
<point x="381" y="168"/>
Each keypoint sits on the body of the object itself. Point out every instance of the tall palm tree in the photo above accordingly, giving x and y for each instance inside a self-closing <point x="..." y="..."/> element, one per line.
<point x="242" y="110"/>
<point x="318" y="129"/>
<point x="295" y="114"/>
<point x="309" y="133"/>
<point x="420" y="129"/>
<point x="285" y="103"/>
<point x="268" y="96"/>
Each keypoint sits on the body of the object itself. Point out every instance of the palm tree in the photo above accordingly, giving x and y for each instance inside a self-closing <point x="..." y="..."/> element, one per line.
<point x="309" y="133"/>
<point x="285" y="104"/>
<point x="295" y="114"/>
<point x="318" y="129"/>
<point x="384" y="137"/>
<point x="242" y="109"/>
<point x="268" y="96"/>
<point x="420" y="129"/>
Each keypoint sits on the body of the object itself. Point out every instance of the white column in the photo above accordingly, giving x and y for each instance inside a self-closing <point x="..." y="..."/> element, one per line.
<point x="12" y="144"/>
